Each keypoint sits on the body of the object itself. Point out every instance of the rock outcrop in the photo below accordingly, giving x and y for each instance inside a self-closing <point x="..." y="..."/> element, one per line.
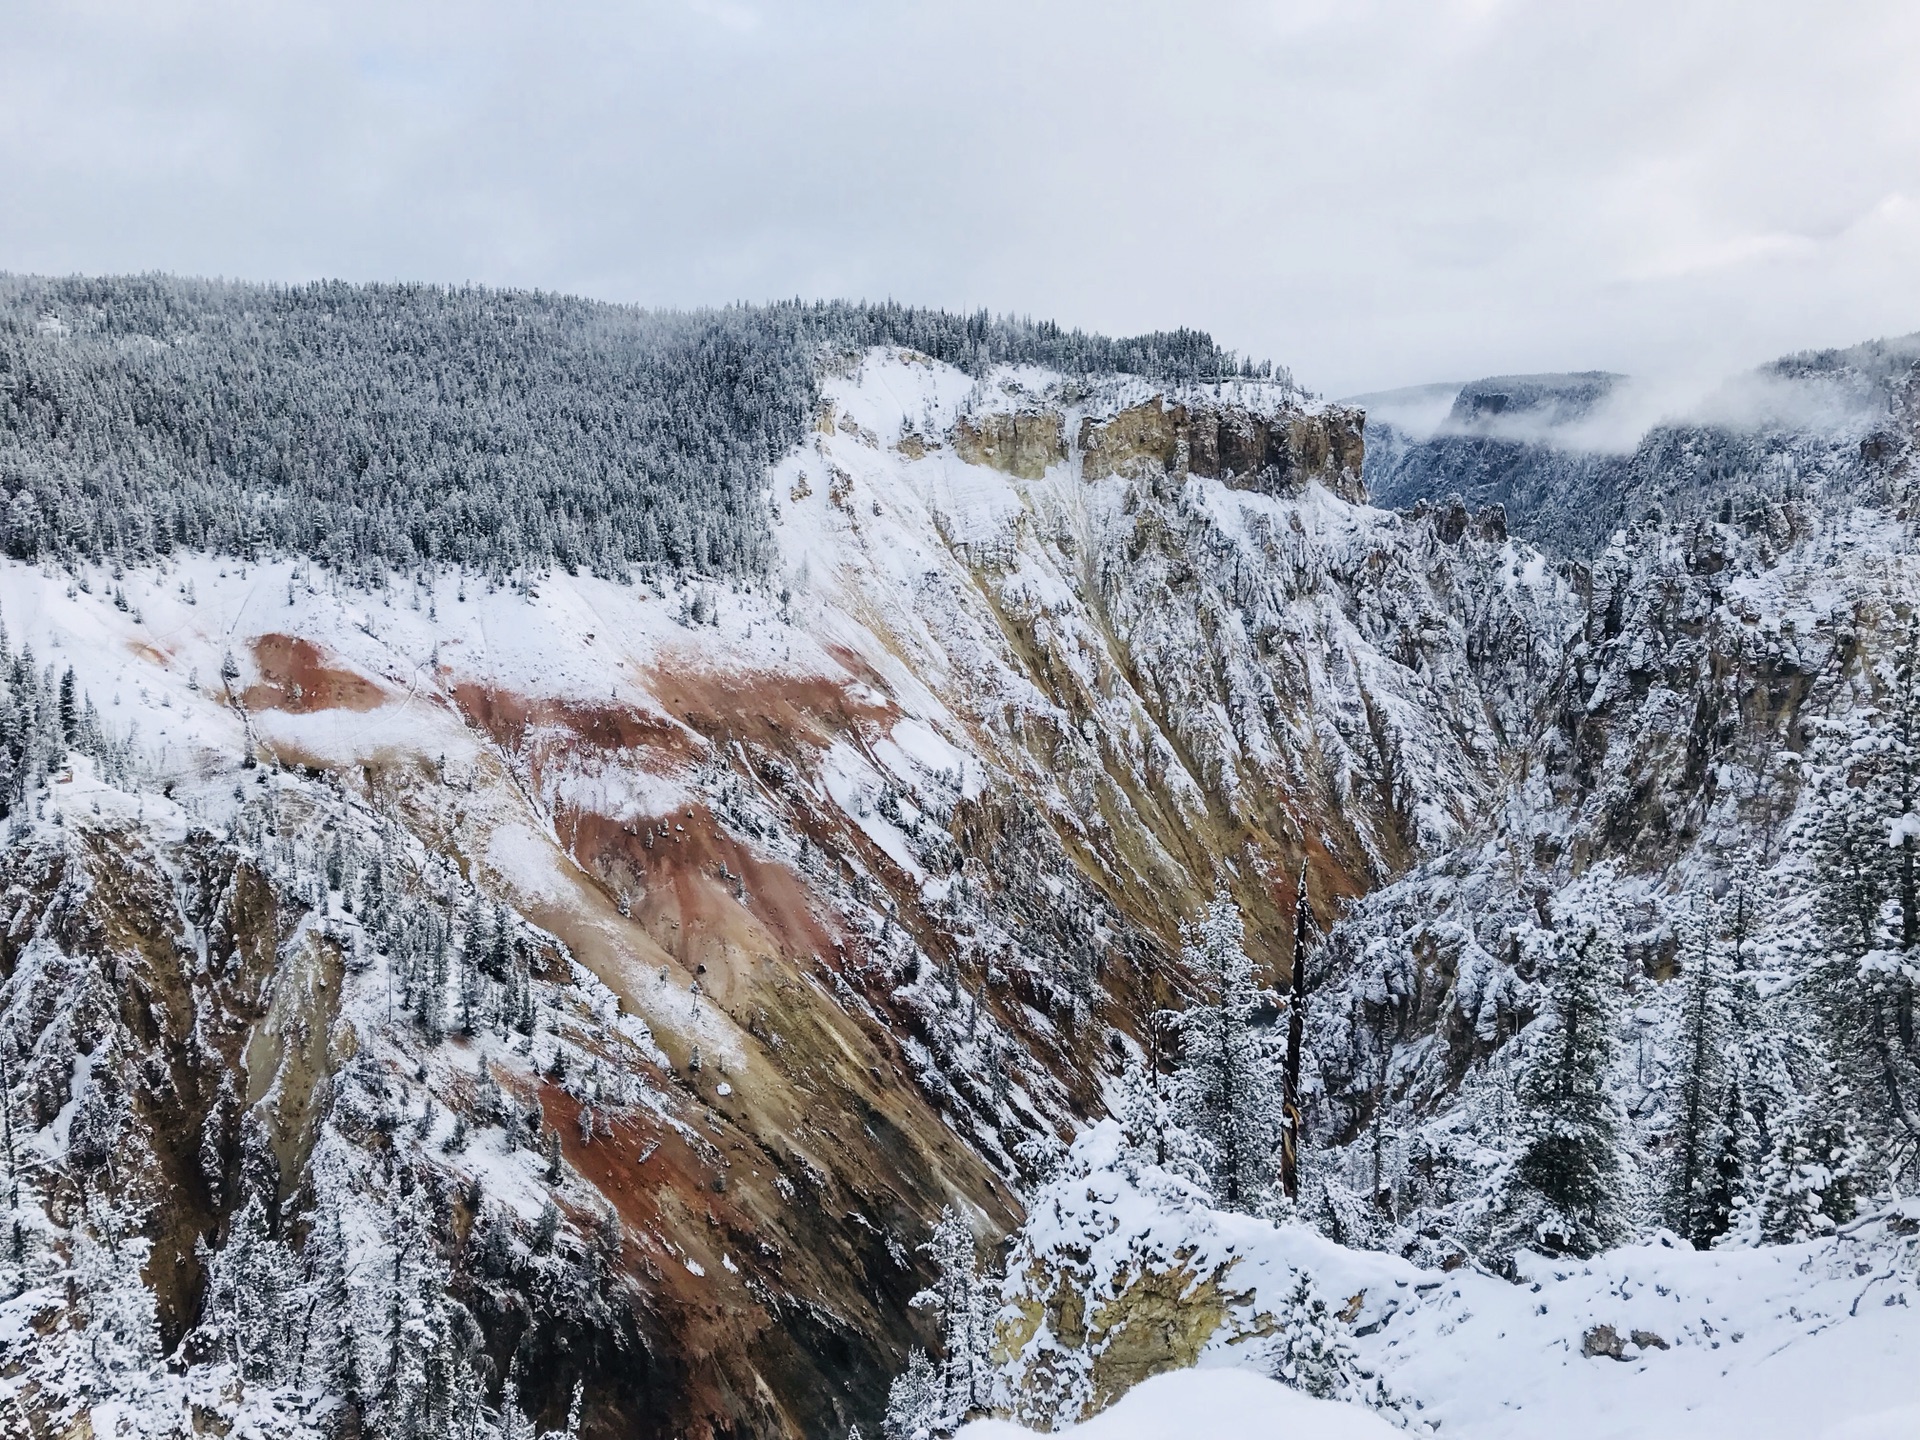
<point x="1272" y="453"/>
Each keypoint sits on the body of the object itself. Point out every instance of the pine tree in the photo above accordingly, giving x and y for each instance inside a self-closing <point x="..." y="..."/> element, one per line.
<point x="1729" y="1181"/>
<point x="466" y="1408"/>
<point x="69" y="711"/>
<point x="1150" y="1131"/>
<point x="916" y="1401"/>
<point x="1810" y="1181"/>
<point x="546" y="1228"/>
<point x="1695" y="1208"/>
<point x="1292" y="1101"/>
<point x="327" y="1352"/>
<point x="1849" y="853"/>
<point x="121" y="1329"/>
<point x="1314" y="1356"/>
<point x="252" y="1303"/>
<point x="1566" y="1184"/>
<point x="962" y="1307"/>
<point x="514" y="1424"/>
<point x="571" y="1429"/>
<point x="415" y="1388"/>
<point x="1742" y="911"/>
<point x="1866" y="972"/>
<point x="1900" y="784"/>
<point x="1228" y="1090"/>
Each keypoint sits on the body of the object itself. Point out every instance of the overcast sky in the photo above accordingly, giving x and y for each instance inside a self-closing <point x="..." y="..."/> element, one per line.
<point x="1374" y="193"/>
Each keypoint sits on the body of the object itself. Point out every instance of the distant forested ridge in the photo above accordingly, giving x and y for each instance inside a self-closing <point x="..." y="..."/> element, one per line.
<point x="375" y="427"/>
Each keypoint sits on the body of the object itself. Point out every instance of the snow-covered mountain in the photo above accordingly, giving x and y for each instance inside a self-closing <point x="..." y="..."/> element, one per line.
<point x="560" y="989"/>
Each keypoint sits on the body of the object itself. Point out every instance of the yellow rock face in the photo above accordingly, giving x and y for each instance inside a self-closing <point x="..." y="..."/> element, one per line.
<point x="1137" y="442"/>
<point x="1155" y="1321"/>
<point x="1274" y="455"/>
<point x="1022" y="446"/>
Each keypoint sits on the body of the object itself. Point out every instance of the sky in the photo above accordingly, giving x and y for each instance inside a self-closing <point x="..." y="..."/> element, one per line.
<point x="1373" y="192"/>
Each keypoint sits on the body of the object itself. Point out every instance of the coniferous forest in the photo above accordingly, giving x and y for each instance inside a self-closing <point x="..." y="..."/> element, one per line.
<point x="375" y="428"/>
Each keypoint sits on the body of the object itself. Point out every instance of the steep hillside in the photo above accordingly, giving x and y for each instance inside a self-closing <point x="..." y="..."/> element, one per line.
<point x="655" y="977"/>
<point x="546" y="980"/>
<point x="1607" y="1108"/>
<point x="1571" y="458"/>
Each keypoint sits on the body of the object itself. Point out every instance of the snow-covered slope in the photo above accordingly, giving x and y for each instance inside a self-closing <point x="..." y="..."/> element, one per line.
<point x="1650" y="1340"/>
<point x="744" y="925"/>
<point x="547" y="981"/>
<point x="1215" y="1402"/>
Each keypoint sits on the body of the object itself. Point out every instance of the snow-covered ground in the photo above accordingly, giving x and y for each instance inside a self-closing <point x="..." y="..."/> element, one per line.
<point x="1216" y="1404"/>
<point x="1792" y="1342"/>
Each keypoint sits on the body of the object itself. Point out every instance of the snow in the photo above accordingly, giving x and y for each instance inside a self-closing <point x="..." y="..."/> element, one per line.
<point x="852" y="783"/>
<point x="934" y="596"/>
<point x="1215" y="1404"/>
<point x="530" y="859"/>
<point x="918" y="742"/>
<point x="1848" y="1385"/>
<point x="1779" y="1341"/>
<point x="76" y="1091"/>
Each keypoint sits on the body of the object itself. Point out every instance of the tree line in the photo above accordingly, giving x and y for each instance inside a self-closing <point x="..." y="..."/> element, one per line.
<point x="386" y="427"/>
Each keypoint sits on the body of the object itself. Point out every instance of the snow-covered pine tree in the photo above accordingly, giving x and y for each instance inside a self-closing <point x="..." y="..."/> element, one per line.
<point x="1899" y="677"/>
<point x="1894" y="981"/>
<point x="1810" y="1181"/>
<point x="1759" y="1072"/>
<point x="252" y="1308"/>
<point x="1228" y="1089"/>
<point x="514" y="1424"/>
<point x="1315" y="1356"/>
<point x="1565" y="1195"/>
<point x="1150" y="1131"/>
<point x="69" y="708"/>
<point x="1695" y="1207"/>
<point x="1857" y="841"/>
<point x="1299" y="987"/>
<point x="1729" y="1183"/>
<point x="571" y="1429"/>
<point x="120" y="1333"/>
<point x="916" y="1401"/>
<point x="963" y="1307"/>
<point x="467" y="1416"/>
<point x="1742" y="911"/>
<point x="417" y="1387"/>
<point x="326" y="1348"/>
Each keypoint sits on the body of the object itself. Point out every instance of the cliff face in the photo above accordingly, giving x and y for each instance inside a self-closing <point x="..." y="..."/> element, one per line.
<point x="658" y="962"/>
<point x="1273" y="454"/>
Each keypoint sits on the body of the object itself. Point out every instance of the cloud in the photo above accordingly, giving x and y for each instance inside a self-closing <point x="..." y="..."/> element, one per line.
<point x="1378" y="192"/>
<point x="740" y="19"/>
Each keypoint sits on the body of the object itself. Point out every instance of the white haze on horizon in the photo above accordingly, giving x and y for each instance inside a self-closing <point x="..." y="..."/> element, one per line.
<point x="1371" y="192"/>
<point x="1634" y="405"/>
